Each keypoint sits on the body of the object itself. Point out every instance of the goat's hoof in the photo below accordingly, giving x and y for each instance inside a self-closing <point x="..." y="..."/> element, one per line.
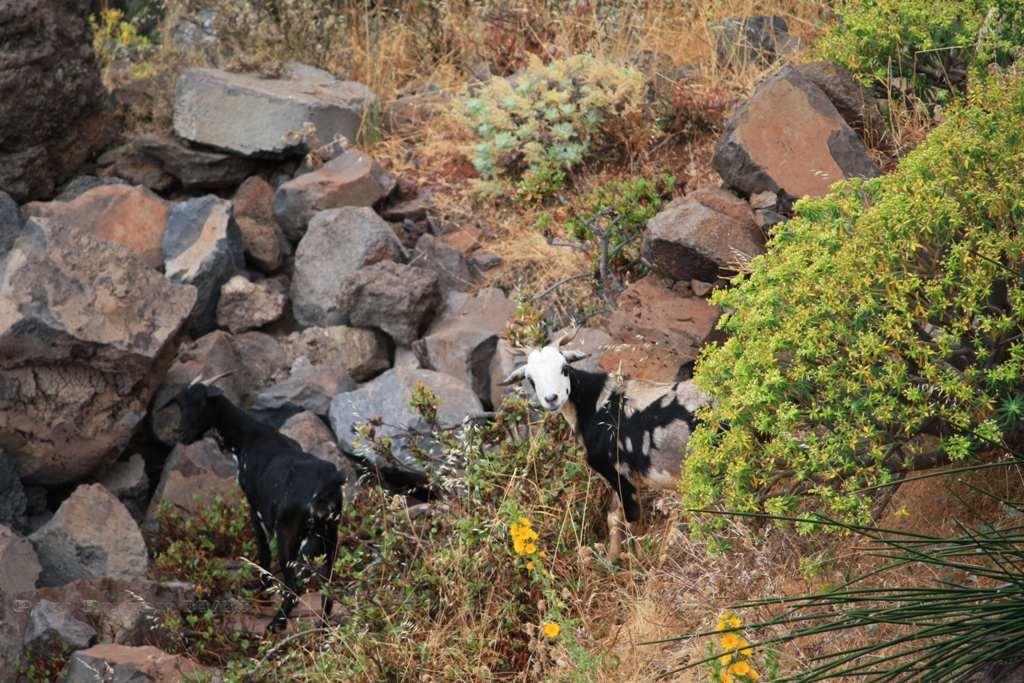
<point x="276" y="626"/>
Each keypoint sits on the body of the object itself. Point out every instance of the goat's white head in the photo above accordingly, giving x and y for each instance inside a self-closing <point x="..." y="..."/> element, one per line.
<point x="547" y="371"/>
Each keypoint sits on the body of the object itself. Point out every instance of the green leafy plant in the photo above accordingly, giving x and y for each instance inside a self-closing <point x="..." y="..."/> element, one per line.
<point x="550" y="118"/>
<point x="931" y="47"/>
<point x="610" y="222"/>
<point x="116" y="37"/>
<point x="882" y="331"/>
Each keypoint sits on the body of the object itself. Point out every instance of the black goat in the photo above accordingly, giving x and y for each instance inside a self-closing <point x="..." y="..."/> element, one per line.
<point x="294" y="496"/>
<point x="634" y="432"/>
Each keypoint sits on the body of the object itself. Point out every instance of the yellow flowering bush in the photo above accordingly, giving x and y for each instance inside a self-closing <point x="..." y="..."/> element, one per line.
<point x="734" y="664"/>
<point x="550" y="117"/>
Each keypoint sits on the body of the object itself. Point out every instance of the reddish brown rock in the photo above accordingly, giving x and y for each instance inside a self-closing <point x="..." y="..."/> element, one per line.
<point x="262" y="238"/>
<point x="789" y="138"/>
<point x="362" y="352"/>
<point x="246" y="305"/>
<point x="92" y="534"/>
<point x="461" y="343"/>
<point x="661" y="330"/>
<point x="352" y="179"/>
<point x="194" y="476"/>
<point x="852" y="100"/>
<point x="702" y="236"/>
<point x="19" y="566"/>
<point x="130" y="216"/>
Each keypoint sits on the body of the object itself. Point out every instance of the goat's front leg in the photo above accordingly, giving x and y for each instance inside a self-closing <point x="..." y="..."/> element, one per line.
<point x="287" y="549"/>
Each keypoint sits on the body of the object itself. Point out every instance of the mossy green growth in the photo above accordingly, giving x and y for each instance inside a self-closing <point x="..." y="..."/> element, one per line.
<point x="550" y="118"/>
<point x="933" y="45"/>
<point x="889" y="308"/>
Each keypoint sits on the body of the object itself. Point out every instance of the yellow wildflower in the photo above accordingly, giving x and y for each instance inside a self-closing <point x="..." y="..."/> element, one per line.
<point x="725" y="676"/>
<point x="551" y="629"/>
<point x="731" y="641"/>
<point x="529" y="565"/>
<point x="753" y="675"/>
<point x="530" y="548"/>
<point x="525" y="521"/>
<point x="543" y="554"/>
<point x="740" y="669"/>
<point x="725" y="659"/>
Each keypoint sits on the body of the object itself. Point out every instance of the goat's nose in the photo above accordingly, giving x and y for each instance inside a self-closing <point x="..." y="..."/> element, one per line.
<point x="551" y="398"/>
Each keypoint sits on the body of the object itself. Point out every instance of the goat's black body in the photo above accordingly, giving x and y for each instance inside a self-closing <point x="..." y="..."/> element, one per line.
<point x="614" y="436"/>
<point x="293" y="496"/>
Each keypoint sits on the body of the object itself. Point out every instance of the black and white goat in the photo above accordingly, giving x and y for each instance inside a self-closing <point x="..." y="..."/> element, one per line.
<point x="293" y="496"/>
<point x="634" y="432"/>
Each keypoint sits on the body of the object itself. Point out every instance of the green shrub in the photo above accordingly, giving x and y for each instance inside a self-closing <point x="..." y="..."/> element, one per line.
<point x="616" y="213"/>
<point x="889" y="309"/>
<point x="552" y="118"/>
<point x="933" y="45"/>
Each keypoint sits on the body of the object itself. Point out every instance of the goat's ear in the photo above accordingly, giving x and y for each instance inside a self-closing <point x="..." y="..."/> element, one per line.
<point x="515" y="376"/>
<point x="573" y="356"/>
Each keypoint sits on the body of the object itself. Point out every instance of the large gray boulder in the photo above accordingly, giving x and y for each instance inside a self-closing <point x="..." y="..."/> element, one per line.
<point x="308" y="388"/>
<point x="462" y="341"/>
<point x="203" y="248"/>
<point x="160" y="162"/>
<point x="453" y="271"/>
<point x="92" y="534"/>
<point x="19" y="565"/>
<point x="705" y="235"/>
<point x="788" y="138"/>
<point x="337" y="244"/>
<point x="351" y="179"/>
<point x="86" y="331"/>
<point x="195" y="475"/>
<point x="361" y="352"/>
<point x="53" y="101"/>
<point x="387" y="397"/>
<point x="52" y="628"/>
<point x="264" y="117"/>
<point x="400" y="300"/>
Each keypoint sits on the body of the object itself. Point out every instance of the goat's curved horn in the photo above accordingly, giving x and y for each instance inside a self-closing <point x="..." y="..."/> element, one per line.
<point x="567" y="337"/>
<point x="200" y="380"/>
<point x="515" y="376"/>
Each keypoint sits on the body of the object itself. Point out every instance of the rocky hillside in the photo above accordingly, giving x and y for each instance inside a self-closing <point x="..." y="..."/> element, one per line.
<point x="357" y="250"/>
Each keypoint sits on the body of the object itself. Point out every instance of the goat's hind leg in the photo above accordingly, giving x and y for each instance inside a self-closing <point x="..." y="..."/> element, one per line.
<point x="262" y="547"/>
<point x="288" y="550"/>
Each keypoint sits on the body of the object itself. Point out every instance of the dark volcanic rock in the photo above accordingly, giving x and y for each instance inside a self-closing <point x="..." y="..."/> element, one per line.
<point x="351" y="179"/>
<point x="393" y="297"/>
<point x="338" y="243"/>
<point x="203" y="248"/>
<point x="52" y="98"/>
